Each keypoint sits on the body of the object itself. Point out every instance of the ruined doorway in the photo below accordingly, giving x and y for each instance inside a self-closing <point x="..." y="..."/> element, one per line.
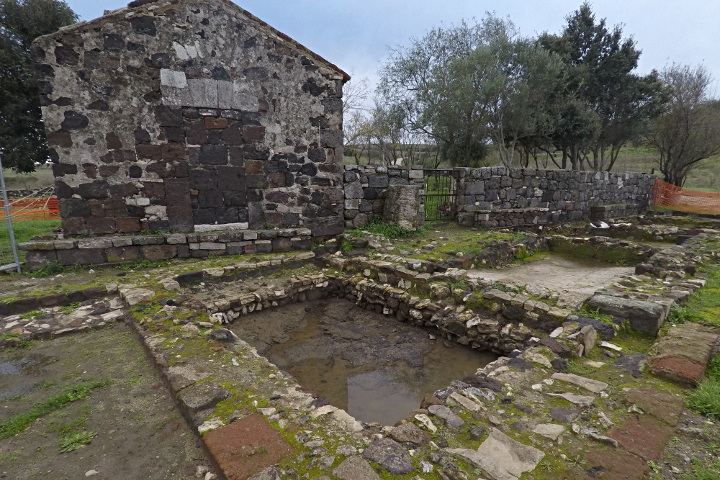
<point x="439" y="194"/>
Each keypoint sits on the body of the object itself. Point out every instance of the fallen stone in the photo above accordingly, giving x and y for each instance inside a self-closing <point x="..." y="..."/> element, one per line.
<point x="465" y="402"/>
<point x="200" y="397"/>
<point x="643" y="316"/>
<point x="355" y="468"/>
<point x="501" y="457"/>
<point x="427" y="423"/>
<point x="582" y="400"/>
<point x="564" y="415"/>
<point x="604" y="330"/>
<point x="446" y="414"/>
<point x="558" y="348"/>
<point x="644" y="436"/>
<point x="632" y="364"/>
<point x="136" y="295"/>
<point x="549" y="430"/>
<point x="390" y="455"/>
<point x="594" y="386"/>
<point x="223" y="335"/>
<point x="610" y="346"/>
<point x="269" y="473"/>
<point x="409" y="432"/>
<point x="664" y="406"/>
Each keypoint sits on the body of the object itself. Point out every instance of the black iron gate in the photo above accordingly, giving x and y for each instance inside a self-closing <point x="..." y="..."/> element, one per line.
<point x="440" y="194"/>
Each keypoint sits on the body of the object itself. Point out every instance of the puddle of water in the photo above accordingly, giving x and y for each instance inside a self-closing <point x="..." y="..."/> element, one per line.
<point x="573" y="279"/>
<point x="374" y="367"/>
<point x="19" y="374"/>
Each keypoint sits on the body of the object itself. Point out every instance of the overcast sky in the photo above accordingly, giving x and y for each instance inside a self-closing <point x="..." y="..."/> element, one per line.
<point x="356" y="34"/>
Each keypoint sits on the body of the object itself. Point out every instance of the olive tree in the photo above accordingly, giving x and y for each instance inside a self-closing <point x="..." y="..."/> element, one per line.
<point x="689" y="130"/>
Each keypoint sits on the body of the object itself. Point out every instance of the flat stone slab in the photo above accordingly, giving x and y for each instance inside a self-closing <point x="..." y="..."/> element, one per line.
<point x="549" y="430"/>
<point x="594" y="386"/>
<point x="643" y="436"/>
<point x="582" y="400"/>
<point x="615" y="464"/>
<point x="682" y="355"/>
<point x="446" y="414"/>
<point x="246" y="446"/>
<point x="501" y="457"/>
<point x="664" y="406"/>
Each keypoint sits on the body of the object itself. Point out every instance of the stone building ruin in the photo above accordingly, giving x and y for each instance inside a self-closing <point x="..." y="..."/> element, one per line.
<point x="171" y="114"/>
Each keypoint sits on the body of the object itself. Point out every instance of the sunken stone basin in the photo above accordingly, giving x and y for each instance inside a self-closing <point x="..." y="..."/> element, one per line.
<point x="375" y="368"/>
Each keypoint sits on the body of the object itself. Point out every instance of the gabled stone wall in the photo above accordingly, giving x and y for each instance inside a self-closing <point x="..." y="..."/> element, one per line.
<point x="175" y="114"/>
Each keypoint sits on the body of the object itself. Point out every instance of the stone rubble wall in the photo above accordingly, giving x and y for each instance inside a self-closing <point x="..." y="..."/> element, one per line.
<point x="365" y="188"/>
<point x="506" y="197"/>
<point x="501" y="197"/>
<point x="173" y="114"/>
<point x="132" y="248"/>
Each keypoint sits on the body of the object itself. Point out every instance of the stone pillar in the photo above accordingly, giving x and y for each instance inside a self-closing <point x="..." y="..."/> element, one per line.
<point x="403" y="206"/>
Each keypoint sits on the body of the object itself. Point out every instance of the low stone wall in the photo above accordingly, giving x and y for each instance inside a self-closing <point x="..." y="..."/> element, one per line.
<point x="366" y="186"/>
<point x="131" y="248"/>
<point x="502" y="197"/>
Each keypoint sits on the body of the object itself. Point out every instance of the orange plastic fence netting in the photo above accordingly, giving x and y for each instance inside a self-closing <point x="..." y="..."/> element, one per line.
<point x="25" y="209"/>
<point x="677" y="198"/>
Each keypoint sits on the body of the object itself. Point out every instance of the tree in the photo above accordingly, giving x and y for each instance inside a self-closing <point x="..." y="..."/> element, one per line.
<point x="439" y="95"/>
<point x="22" y="134"/>
<point x="608" y="105"/>
<point x="689" y="130"/>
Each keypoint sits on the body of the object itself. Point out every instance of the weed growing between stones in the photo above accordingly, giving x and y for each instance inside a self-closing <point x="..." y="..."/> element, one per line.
<point x="18" y="423"/>
<point x="75" y="441"/>
<point x="391" y="231"/>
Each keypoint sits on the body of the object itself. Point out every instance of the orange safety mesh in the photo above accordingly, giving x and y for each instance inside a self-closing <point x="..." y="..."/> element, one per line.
<point x="25" y="209"/>
<point x="677" y="198"/>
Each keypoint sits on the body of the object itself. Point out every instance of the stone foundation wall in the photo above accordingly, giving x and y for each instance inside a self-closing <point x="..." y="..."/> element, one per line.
<point x="131" y="248"/>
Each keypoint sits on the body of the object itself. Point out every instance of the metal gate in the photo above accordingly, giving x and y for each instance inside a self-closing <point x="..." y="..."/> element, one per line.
<point x="440" y="194"/>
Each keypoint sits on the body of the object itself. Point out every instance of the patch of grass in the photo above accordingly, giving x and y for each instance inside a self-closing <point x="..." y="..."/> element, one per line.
<point x="703" y="306"/>
<point x="16" y="339"/>
<point x="34" y="313"/>
<point x="52" y="268"/>
<point x="23" y="232"/>
<point x="75" y="441"/>
<point x="16" y="424"/>
<point x="705" y="399"/>
<point x="601" y="317"/>
<point x="143" y="264"/>
<point x="69" y="308"/>
<point x="69" y="427"/>
<point x="710" y="471"/>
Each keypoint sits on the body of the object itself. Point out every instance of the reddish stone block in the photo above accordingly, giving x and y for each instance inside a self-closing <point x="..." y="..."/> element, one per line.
<point x="173" y="151"/>
<point x="664" y="406"/>
<point x="108" y="170"/>
<point x="100" y="225"/>
<point x="127" y="225"/>
<point x="60" y="138"/>
<point x="614" y="464"/>
<point x="215" y="123"/>
<point x="148" y="152"/>
<point x="113" y="141"/>
<point x="644" y="436"/>
<point x="253" y="167"/>
<point x="73" y="225"/>
<point x="276" y="180"/>
<point x="90" y="170"/>
<point x="254" y="133"/>
<point x="154" y="189"/>
<point x="246" y="446"/>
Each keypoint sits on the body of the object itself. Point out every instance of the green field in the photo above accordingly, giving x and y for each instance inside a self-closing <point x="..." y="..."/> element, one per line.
<point x="23" y="232"/>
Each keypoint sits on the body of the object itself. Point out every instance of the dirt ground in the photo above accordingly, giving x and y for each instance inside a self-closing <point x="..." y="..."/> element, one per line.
<point x="139" y="432"/>
<point x="573" y="280"/>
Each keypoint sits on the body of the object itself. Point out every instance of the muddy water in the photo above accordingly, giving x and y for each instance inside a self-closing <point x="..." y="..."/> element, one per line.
<point x="573" y="280"/>
<point x="375" y="367"/>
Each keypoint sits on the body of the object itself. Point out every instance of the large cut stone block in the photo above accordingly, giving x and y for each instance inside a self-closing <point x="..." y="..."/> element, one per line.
<point x="402" y="206"/>
<point x="643" y="316"/>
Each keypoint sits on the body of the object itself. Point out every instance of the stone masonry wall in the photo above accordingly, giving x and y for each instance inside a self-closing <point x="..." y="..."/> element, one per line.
<point x="365" y="188"/>
<point x="174" y="114"/>
<point x="499" y="196"/>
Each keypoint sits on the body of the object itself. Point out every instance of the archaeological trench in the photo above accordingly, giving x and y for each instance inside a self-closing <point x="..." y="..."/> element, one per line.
<point x="204" y="204"/>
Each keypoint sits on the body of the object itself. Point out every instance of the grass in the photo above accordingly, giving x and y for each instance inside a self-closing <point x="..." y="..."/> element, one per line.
<point x="710" y="471"/>
<point x="705" y="399"/>
<point x="75" y="441"/>
<point x="23" y="232"/>
<point x="16" y="424"/>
